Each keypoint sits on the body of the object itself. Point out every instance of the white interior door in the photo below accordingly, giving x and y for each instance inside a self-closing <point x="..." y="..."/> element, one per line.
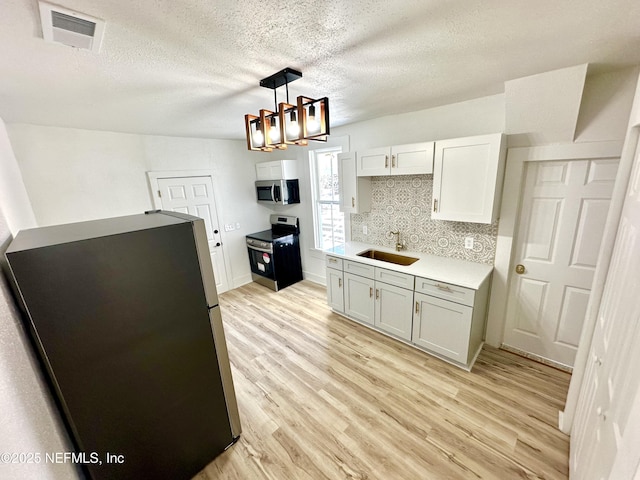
<point x="605" y="439"/>
<point x="194" y="196"/>
<point x="564" y="208"/>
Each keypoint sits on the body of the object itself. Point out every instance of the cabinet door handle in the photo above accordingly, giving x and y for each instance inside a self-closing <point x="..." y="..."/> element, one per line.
<point x="370" y="292"/>
<point x="417" y="307"/>
<point x="386" y="161"/>
<point x="353" y="201"/>
<point x="339" y="283"/>
<point x="446" y="288"/>
<point x="377" y="294"/>
<point x="393" y="161"/>
<point x="435" y="204"/>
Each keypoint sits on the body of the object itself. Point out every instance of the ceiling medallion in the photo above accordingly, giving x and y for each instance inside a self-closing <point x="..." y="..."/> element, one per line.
<point x="288" y="124"/>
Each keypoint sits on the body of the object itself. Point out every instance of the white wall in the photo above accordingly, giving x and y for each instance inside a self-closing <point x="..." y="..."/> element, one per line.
<point x="14" y="200"/>
<point x="73" y="175"/>
<point x="473" y="117"/>
<point x="29" y="422"/>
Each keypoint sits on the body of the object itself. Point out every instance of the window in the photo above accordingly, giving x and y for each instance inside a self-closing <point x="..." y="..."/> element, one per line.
<point x="329" y="221"/>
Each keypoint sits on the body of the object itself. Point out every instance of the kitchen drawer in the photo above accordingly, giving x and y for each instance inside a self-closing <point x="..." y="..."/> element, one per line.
<point x="334" y="262"/>
<point x="447" y="291"/>
<point x="358" y="268"/>
<point x="395" y="278"/>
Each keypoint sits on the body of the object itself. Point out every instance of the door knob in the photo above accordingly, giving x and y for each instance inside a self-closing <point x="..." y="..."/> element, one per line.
<point x="218" y="244"/>
<point x="215" y="231"/>
<point x="520" y="269"/>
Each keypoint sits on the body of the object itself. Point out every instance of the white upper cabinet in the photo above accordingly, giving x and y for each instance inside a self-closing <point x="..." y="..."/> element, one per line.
<point x="415" y="158"/>
<point x="277" y="170"/>
<point x="467" y="178"/>
<point x="412" y="159"/>
<point x="355" y="192"/>
<point x="373" y="162"/>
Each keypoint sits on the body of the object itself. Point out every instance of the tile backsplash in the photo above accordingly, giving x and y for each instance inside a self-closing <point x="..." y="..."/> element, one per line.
<point x="404" y="203"/>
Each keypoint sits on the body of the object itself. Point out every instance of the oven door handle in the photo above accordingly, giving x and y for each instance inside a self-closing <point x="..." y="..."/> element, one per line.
<point x="265" y="250"/>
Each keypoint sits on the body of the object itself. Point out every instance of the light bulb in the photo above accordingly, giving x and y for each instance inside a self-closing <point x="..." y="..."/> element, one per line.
<point x="258" y="137"/>
<point x="294" y="128"/>
<point x="313" y="125"/>
<point x="274" y="134"/>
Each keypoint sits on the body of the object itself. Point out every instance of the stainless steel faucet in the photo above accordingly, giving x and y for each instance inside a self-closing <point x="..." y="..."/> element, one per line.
<point x="399" y="245"/>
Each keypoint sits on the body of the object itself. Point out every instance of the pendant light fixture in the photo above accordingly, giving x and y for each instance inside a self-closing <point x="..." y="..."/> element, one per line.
<point x="289" y="124"/>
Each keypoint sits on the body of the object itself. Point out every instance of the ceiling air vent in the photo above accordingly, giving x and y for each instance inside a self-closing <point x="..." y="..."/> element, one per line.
<point x="61" y="25"/>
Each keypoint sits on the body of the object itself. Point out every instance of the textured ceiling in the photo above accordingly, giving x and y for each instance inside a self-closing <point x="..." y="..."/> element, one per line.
<point x="192" y="67"/>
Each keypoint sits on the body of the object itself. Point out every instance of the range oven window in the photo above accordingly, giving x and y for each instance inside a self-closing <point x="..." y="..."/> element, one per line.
<point x="261" y="263"/>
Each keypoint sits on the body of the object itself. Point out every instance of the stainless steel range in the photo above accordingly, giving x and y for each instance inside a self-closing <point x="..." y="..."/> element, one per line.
<point x="274" y="254"/>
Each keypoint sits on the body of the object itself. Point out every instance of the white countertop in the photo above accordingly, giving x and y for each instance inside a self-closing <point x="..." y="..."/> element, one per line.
<point x="449" y="270"/>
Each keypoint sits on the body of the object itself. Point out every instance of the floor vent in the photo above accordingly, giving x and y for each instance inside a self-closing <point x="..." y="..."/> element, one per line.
<point x="75" y="29"/>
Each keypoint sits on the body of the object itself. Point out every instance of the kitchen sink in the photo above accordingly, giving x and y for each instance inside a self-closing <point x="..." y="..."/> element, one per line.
<point x="388" y="257"/>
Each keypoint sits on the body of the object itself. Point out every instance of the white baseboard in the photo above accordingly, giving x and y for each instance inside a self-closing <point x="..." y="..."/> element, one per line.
<point x="243" y="280"/>
<point x="312" y="277"/>
<point x="537" y="358"/>
<point x="561" y="423"/>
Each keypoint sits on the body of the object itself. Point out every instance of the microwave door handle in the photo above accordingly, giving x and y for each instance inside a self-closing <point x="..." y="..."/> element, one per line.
<point x="273" y="192"/>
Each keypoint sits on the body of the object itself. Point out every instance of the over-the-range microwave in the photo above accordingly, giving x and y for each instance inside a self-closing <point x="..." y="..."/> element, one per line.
<point x="283" y="192"/>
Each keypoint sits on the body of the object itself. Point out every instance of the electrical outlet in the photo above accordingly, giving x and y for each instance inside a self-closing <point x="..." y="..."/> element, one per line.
<point x="468" y="243"/>
<point x="365" y="230"/>
<point x="237" y="225"/>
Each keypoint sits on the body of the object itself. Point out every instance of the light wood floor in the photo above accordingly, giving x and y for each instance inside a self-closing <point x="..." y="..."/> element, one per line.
<point x="321" y="397"/>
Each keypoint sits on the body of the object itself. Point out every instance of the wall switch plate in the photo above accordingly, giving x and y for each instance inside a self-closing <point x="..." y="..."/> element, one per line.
<point x="237" y="225"/>
<point x="468" y="243"/>
<point x="365" y="230"/>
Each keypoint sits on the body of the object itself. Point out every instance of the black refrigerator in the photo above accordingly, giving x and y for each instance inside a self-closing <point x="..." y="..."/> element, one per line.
<point x="124" y="316"/>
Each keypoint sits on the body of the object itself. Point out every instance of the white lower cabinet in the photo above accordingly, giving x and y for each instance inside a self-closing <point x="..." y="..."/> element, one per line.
<point x="442" y="327"/>
<point x="358" y="298"/>
<point x="441" y="318"/>
<point x="381" y="305"/>
<point x="393" y="310"/>
<point x="335" y="289"/>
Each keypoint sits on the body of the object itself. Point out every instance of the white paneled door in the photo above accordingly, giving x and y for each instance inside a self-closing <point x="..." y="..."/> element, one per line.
<point x="605" y="439"/>
<point x="563" y="212"/>
<point x="194" y="196"/>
